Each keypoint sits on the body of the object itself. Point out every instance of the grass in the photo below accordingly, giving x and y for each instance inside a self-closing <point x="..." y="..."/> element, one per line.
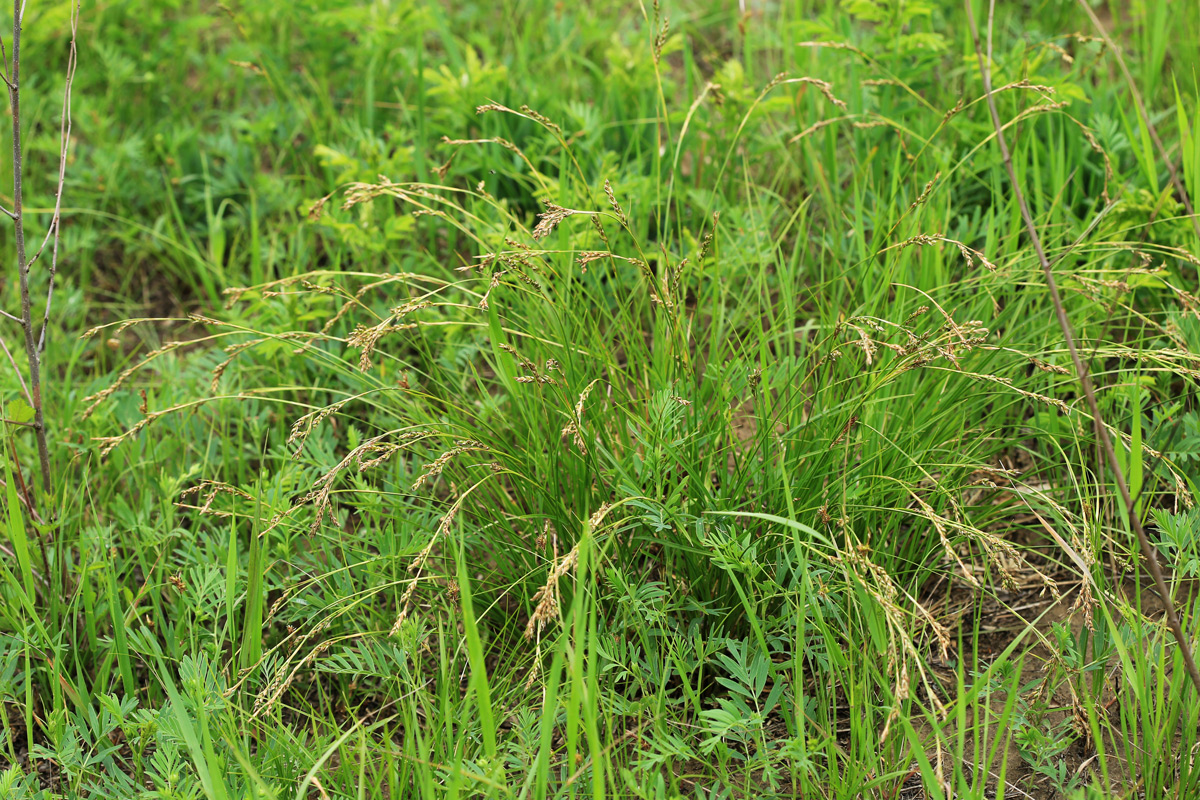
<point x="551" y="401"/>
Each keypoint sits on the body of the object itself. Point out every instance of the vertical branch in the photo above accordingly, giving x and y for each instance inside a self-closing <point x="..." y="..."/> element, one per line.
<point x="34" y="342"/>
<point x="1081" y="370"/>
<point x="18" y="215"/>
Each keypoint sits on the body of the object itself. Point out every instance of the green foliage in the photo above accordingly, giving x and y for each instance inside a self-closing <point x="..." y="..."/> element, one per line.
<point x="1180" y="540"/>
<point x="541" y="400"/>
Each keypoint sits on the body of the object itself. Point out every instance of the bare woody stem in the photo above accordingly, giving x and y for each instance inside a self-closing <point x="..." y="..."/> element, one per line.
<point x="35" y="342"/>
<point x="1081" y="370"/>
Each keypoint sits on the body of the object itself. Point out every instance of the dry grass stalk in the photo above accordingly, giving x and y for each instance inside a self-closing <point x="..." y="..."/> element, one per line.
<point x="526" y="112"/>
<point x="824" y="123"/>
<point x="573" y="429"/>
<point x="841" y="46"/>
<point x="234" y="350"/>
<point x="919" y="349"/>
<point x="1007" y="382"/>
<point x="366" y="338"/>
<point x="355" y="301"/>
<point x="901" y="650"/>
<point x="541" y="119"/>
<point x="822" y="86"/>
<point x="382" y="451"/>
<point x="418" y="562"/>
<point x="110" y="443"/>
<point x="506" y="144"/>
<point x="999" y="552"/>
<point x="284" y="677"/>
<point x="95" y="400"/>
<point x="547" y="598"/>
<point x="1086" y="600"/>
<point x="846" y="429"/>
<point x="322" y="488"/>
<point x="208" y="491"/>
<point x="1025" y="83"/>
<point x="435" y="467"/>
<point x="1045" y="366"/>
<point x="954" y="112"/>
<point x="926" y="240"/>
<point x="947" y="547"/>
<point x="304" y="426"/>
<point x="924" y="195"/>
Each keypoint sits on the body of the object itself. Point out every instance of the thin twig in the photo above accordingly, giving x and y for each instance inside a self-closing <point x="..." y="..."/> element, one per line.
<point x="1068" y="332"/>
<point x="4" y="59"/>
<point x="1141" y="107"/>
<point x="16" y="370"/>
<point x="64" y="146"/>
<point x="7" y="315"/>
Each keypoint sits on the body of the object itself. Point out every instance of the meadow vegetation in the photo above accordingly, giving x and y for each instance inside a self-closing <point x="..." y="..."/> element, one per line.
<point x="548" y="400"/>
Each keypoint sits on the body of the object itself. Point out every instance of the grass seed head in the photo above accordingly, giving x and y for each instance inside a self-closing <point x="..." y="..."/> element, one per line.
<point x="550" y="219"/>
<point x="616" y="207"/>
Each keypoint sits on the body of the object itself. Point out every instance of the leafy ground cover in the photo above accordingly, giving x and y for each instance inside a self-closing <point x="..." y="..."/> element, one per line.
<point x="544" y="400"/>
